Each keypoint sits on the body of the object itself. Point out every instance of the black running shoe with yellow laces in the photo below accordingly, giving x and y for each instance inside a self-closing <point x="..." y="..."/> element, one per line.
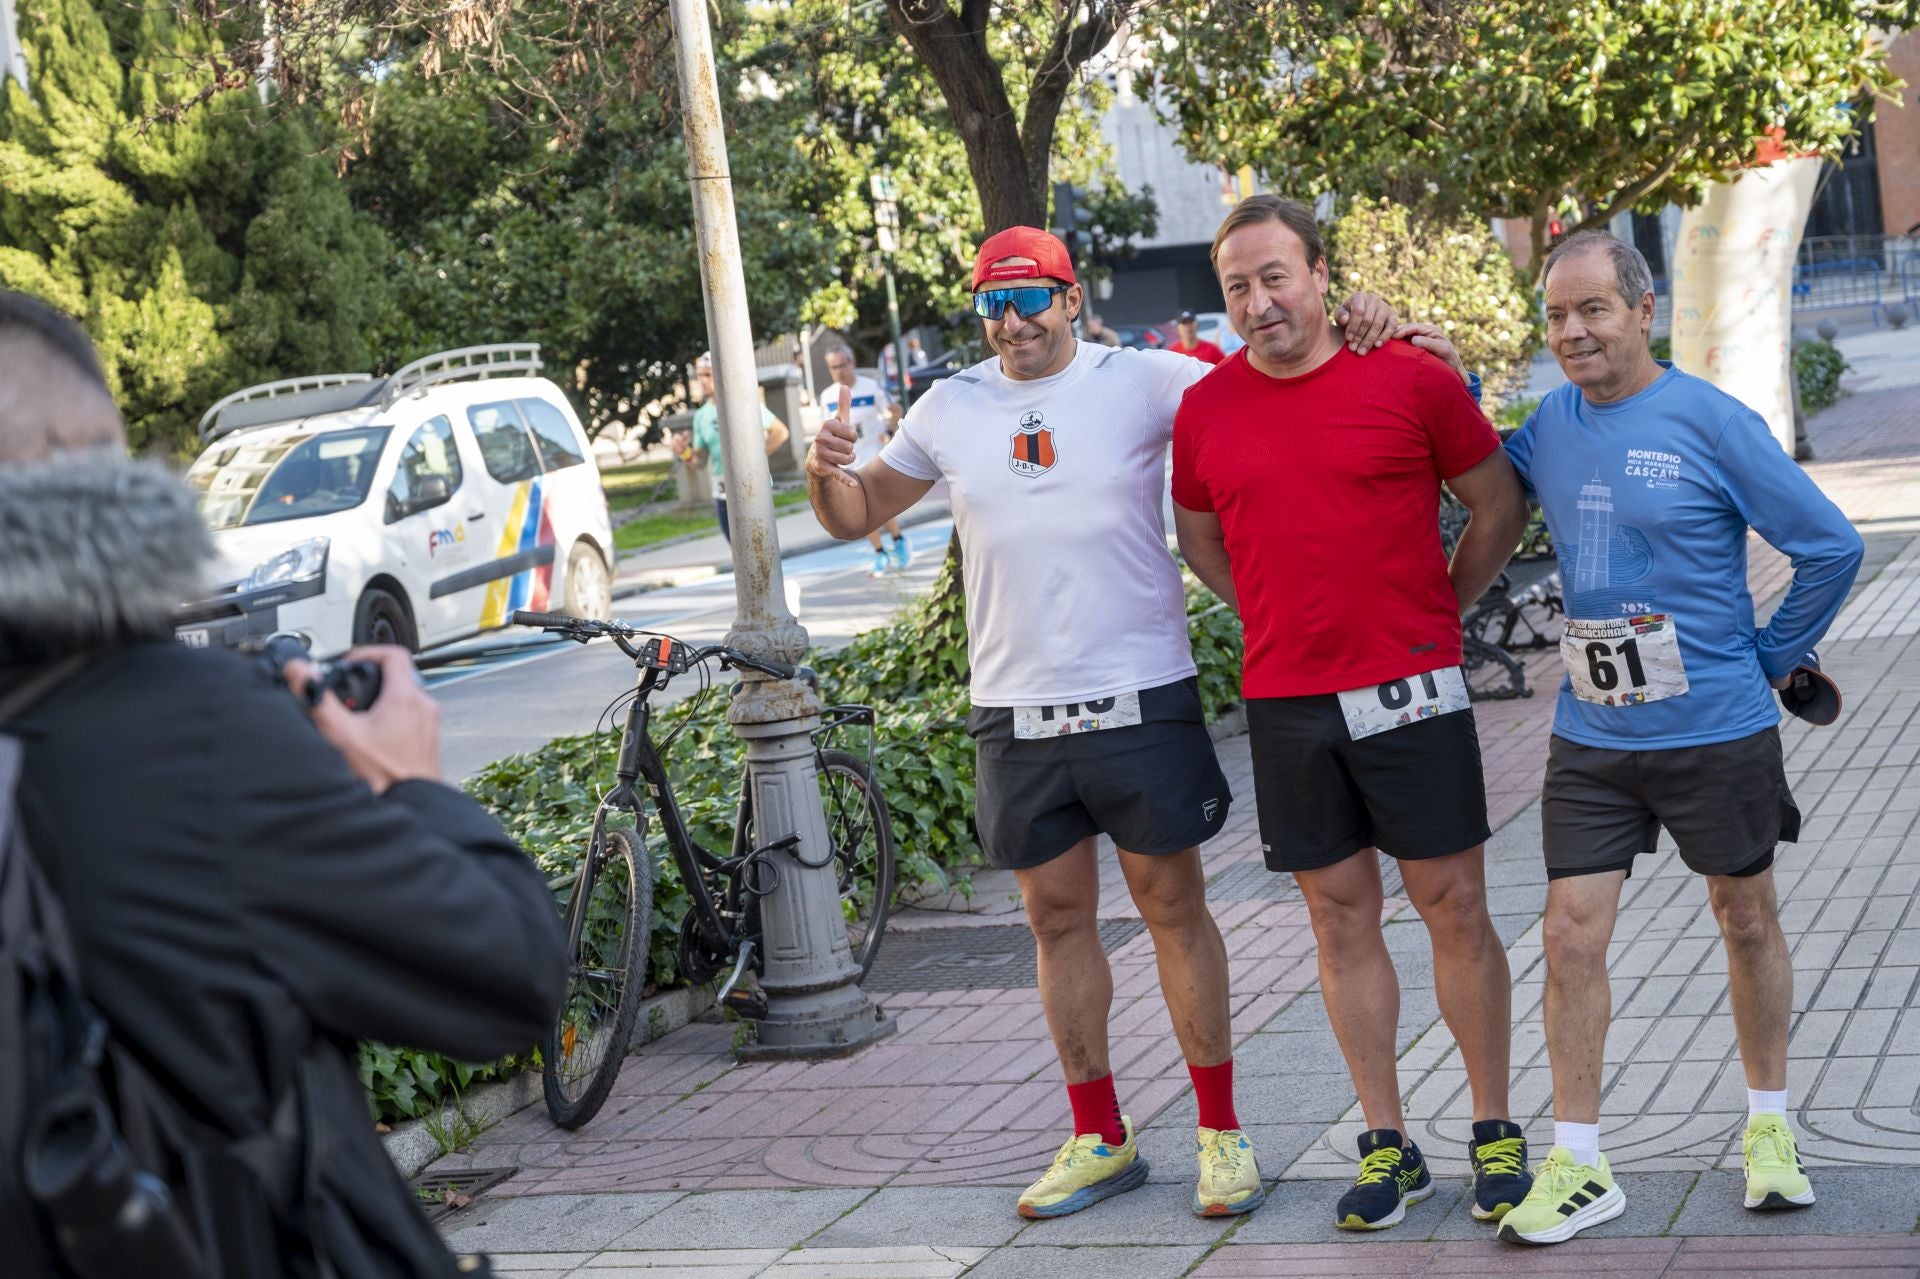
<point x="1391" y="1177"/>
<point x="1500" y="1176"/>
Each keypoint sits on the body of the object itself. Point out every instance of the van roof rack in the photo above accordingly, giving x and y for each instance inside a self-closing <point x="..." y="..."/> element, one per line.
<point x="282" y="401"/>
<point x="296" y="397"/>
<point x="460" y="365"/>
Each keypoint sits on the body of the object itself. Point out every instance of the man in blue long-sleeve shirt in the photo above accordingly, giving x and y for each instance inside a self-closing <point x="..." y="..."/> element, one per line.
<point x="1650" y="480"/>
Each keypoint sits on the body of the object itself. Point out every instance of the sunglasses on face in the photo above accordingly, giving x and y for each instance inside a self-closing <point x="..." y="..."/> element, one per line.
<point x="1027" y="301"/>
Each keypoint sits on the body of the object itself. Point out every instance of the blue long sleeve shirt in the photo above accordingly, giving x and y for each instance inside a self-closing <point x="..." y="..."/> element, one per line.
<point x="1649" y="500"/>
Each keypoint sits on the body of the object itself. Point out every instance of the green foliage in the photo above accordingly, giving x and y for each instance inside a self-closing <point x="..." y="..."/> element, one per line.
<point x="1515" y="108"/>
<point x="1444" y="269"/>
<point x="1513" y="415"/>
<point x="1817" y="366"/>
<point x="405" y="1083"/>
<point x="1661" y="347"/>
<point x="200" y="253"/>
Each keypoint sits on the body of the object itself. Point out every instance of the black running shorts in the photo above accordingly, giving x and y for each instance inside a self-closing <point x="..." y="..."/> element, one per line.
<point x="1414" y="792"/>
<point x="1155" y="787"/>
<point x="1726" y="804"/>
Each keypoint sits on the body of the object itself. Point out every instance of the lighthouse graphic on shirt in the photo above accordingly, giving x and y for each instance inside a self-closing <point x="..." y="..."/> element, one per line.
<point x="1605" y="571"/>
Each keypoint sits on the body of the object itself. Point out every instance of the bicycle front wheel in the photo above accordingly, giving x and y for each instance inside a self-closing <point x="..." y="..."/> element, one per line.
<point x="582" y="1052"/>
<point x="861" y="832"/>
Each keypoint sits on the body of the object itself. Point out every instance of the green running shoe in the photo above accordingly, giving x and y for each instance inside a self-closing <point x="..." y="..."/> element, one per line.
<point x="1567" y="1197"/>
<point x="1775" y="1176"/>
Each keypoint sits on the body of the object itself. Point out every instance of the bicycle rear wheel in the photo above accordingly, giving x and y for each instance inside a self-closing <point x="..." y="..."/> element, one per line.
<point x="583" y="1050"/>
<point x="861" y="831"/>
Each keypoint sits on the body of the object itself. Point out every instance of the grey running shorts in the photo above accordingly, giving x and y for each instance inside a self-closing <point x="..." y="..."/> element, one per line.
<point x="1726" y="804"/>
<point x="1414" y="792"/>
<point x="1155" y="787"/>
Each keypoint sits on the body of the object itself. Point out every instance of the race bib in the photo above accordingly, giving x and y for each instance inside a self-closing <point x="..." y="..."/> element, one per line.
<point x="1623" y="661"/>
<point x="1400" y="702"/>
<point x="1119" y="711"/>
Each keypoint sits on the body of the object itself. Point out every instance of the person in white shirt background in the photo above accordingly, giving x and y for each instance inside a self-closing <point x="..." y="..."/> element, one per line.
<point x="872" y="414"/>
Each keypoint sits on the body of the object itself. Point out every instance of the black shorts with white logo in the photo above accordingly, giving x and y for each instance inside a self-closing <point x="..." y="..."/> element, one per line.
<point x="1155" y="787"/>
<point x="1726" y="804"/>
<point x="1414" y="792"/>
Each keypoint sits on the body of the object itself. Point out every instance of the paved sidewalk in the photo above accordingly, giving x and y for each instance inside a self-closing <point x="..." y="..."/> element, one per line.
<point x="904" y="1160"/>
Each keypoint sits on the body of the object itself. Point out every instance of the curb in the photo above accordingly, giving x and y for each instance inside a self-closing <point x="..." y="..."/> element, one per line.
<point x="1228" y="724"/>
<point x="643" y="580"/>
<point x="412" y="1146"/>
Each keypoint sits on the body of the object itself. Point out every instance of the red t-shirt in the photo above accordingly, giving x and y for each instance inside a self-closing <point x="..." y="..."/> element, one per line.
<point x="1327" y="487"/>
<point x="1200" y="350"/>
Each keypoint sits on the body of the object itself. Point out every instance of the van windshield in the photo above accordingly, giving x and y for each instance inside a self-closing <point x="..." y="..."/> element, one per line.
<point x="286" y="478"/>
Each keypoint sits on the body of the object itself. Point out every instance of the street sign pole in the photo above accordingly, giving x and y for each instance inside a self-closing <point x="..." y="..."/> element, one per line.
<point x="815" y="1005"/>
<point x="886" y="227"/>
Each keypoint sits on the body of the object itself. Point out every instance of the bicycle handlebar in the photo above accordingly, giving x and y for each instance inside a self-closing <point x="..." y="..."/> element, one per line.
<point x="546" y="621"/>
<point x="583" y="628"/>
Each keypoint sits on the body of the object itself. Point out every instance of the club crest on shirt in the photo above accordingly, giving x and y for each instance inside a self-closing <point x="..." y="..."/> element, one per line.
<point x="1032" y="450"/>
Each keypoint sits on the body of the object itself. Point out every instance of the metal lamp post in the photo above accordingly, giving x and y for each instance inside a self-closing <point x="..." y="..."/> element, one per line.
<point x="815" y="1005"/>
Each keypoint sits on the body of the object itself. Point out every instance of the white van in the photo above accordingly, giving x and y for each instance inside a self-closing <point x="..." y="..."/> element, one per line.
<point x="414" y="509"/>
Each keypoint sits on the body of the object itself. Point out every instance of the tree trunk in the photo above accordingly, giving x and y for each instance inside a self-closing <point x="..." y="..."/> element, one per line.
<point x="1733" y="287"/>
<point x="953" y="45"/>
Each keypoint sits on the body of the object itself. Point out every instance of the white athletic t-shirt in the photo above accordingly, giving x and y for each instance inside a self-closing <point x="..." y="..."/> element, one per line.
<point x="867" y="412"/>
<point x="1058" y="488"/>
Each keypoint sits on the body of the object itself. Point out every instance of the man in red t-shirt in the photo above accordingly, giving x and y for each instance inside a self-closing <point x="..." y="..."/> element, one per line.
<point x="1307" y="495"/>
<point x="1189" y="343"/>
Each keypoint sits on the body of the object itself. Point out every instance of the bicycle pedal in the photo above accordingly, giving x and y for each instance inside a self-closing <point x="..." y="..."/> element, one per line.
<point x="750" y="1005"/>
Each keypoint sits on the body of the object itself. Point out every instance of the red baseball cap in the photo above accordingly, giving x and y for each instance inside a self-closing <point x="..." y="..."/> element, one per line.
<point x="1049" y="258"/>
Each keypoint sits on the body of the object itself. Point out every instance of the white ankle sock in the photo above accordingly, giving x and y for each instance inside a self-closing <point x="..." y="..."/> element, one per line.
<point x="1763" y="1102"/>
<point x="1581" y="1140"/>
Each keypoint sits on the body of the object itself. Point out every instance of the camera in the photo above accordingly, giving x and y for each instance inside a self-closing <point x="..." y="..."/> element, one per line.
<point x="355" y="683"/>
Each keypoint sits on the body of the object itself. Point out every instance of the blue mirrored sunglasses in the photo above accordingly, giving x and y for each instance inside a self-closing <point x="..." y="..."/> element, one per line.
<point x="1028" y="301"/>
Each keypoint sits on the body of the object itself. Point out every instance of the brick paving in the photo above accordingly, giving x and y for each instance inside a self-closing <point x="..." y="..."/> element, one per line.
<point x="902" y="1161"/>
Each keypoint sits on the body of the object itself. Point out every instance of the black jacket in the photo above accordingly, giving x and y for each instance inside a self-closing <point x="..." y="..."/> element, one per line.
<point x="243" y="908"/>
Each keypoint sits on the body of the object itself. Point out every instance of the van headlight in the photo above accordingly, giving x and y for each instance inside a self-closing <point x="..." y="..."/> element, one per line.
<point x="301" y="562"/>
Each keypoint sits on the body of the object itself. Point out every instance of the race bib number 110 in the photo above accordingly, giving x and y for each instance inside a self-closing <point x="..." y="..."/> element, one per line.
<point x="1119" y="711"/>
<point x="1399" y="702"/>
<point x="1623" y="661"/>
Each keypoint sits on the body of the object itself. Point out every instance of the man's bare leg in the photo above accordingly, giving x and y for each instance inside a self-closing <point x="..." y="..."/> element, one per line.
<point x="1062" y="898"/>
<point x="1581" y="910"/>
<point x="1357" y="981"/>
<point x="1171" y="892"/>
<point x="1759" y="973"/>
<point x="1470" y="978"/>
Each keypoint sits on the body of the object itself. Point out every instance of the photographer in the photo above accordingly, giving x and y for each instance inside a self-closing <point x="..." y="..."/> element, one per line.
<point x="247" y="896"/>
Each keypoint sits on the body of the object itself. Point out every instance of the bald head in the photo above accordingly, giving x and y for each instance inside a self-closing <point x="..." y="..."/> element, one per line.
<point x="53" y="396"/>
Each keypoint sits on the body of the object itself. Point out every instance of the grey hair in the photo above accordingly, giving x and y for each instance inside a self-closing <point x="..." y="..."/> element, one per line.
<point x="839" y="350"/>
<point x="1631" y="272"/>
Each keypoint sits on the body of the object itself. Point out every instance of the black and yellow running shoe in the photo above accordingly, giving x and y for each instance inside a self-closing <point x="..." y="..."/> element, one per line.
<point x="1500" y="1176"/>
<point x="1392" y="1175"/>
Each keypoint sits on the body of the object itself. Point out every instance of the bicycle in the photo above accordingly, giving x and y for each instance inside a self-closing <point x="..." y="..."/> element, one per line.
<point x="609" y="906"/>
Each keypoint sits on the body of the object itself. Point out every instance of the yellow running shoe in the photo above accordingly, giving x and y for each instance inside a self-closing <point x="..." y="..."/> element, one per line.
<point x="1775" y="1176"/>
<point x="1085" y="1171"/>
<point x="1229" y="1177"/>
<point x="1567" y="1197"/>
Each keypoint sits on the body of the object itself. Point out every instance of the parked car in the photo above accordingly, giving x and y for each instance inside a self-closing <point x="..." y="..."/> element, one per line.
<point x="414" y="509"/>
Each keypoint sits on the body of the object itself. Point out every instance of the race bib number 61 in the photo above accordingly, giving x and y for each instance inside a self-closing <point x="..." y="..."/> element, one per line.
<point x="1398" y="702"/>
<point x="1623" y="661"/>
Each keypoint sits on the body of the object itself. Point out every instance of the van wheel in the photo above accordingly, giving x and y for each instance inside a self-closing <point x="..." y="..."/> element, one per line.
<point x="382" y="619"/>
<point x="589" y="589"/>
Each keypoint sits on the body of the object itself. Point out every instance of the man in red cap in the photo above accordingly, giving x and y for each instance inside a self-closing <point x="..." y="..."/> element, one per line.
<point x="1086" y="713"/>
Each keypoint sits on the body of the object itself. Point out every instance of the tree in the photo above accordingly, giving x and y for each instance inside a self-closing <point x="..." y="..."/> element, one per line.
<point x="1515" y="108"/>
<point x="970" y="52"/>
<point x="1450" y="271"/>
<point x="174" y="244"/>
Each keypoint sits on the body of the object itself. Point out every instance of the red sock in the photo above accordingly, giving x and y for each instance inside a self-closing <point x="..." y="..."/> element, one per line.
<point x="1213" y="1088"/>
<point x="1096" y="1108"/>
